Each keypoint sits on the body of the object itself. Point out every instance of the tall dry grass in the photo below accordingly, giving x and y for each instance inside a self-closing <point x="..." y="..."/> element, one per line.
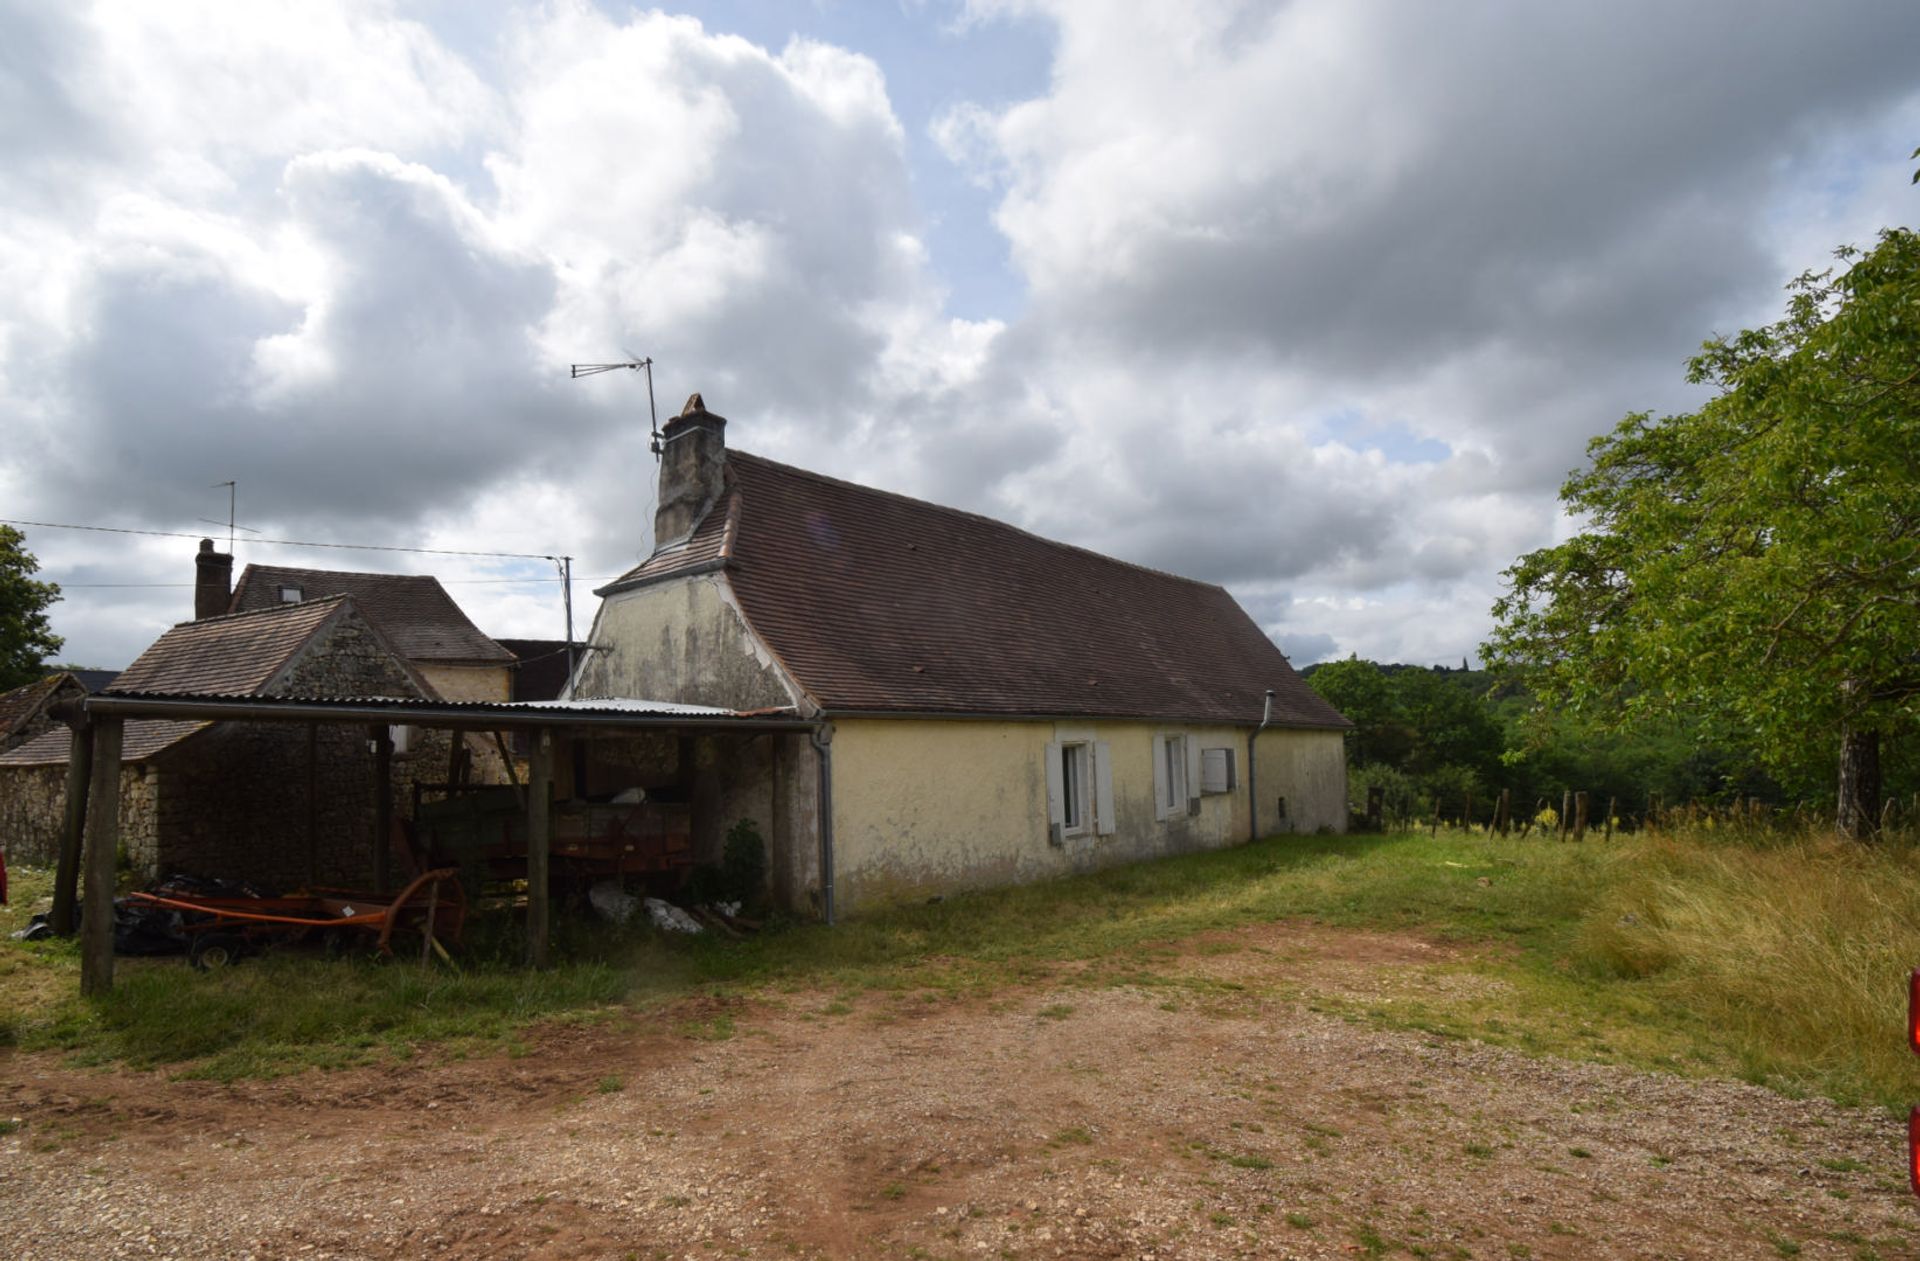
<point x="1792" y="945"/>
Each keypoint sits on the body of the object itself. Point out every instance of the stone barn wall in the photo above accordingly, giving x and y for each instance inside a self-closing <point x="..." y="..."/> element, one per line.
<point x="33" y="804"/>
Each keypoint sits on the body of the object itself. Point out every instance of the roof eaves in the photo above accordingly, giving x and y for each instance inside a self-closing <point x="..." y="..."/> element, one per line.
<point x="619" y="585"/>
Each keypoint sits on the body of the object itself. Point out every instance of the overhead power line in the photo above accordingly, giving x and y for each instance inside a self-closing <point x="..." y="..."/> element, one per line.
<point x="445" y="582"/>
<point x="351" y="547"/>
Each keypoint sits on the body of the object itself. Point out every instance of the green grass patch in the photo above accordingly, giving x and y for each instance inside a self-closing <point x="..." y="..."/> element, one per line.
<point x="1778" y="959"/>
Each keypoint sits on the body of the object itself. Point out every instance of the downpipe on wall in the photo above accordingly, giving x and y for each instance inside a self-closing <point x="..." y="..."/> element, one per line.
<point x="1253" y="772"/>
<point x="822" y="739"/>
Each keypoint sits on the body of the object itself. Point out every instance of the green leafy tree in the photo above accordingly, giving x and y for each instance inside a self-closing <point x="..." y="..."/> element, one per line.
<point x="1362" y="691"/>
<point x="25" y="639"/>
<point x="1755" y="564"/>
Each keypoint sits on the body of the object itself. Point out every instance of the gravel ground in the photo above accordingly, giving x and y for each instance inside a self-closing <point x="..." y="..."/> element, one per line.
<point x="1077" y="1122"/>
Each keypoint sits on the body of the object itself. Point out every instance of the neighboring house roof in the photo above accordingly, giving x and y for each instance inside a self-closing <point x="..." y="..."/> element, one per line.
<point x="875" y="602"/>
<point x="95" y="680"/>
<point x="413" y="611"/>
<point x="540" y="673"/>
<point x="237" y="654"/>
<point x="22" y="710"/>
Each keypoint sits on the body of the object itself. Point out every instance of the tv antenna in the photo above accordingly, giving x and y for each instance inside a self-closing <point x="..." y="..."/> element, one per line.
<point x="634" y="364"/>
<point x="233" y="496"/>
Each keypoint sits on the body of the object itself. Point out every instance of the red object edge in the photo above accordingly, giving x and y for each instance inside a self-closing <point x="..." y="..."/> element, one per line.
<point x="1913" y="1150"/>
<point x="1913" y="1011"/>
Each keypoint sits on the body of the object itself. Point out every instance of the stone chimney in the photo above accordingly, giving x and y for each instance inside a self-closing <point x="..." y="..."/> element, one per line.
<point x="212" y="581"/>
<point x="693" y="459"/>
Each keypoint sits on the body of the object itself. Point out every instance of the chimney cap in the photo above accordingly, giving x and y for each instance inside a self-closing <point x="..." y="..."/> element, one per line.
<point x="206" y="545"/>
<point x="697" y="407"/>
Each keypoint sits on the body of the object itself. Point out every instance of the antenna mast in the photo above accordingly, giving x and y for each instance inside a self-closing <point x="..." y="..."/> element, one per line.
<point x="635" y="365"/>
<point x="232" y="499"/>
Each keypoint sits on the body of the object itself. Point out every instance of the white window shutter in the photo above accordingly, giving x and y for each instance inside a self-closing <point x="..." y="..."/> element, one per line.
<point x="1193" y="774"/>
<point x="1102" y="789"/>
<point x="1159" y="777"/>
<point x="1056" y="790"/>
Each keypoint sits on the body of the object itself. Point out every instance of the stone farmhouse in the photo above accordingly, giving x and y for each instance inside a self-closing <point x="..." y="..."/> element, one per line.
<point x="272" y="803"/>
<point x="988" y="706"/>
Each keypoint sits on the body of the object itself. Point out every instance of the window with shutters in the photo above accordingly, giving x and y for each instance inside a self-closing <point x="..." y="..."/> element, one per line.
<point x="1079" y="790"/>
<point x="1170" y="775"/>
<point x="1216" y="771"/>
<point x="1073" y="788"/>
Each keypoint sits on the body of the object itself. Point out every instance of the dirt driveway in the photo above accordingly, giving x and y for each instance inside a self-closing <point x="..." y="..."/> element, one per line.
<point x="1163" y="1121"/>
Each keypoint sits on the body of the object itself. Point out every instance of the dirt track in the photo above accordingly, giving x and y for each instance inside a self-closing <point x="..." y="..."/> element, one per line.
<point x="1051" y="1123"/>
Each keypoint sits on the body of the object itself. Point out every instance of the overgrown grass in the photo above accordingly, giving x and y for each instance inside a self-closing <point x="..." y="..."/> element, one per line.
<point x="1778" y="958"/>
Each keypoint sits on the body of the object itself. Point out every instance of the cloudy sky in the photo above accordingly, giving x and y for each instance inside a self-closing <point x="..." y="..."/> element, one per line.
<point x="1319" y="300"/>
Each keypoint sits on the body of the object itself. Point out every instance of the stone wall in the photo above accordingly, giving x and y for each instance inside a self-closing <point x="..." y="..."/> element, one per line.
<point x="276" y="803"/>
<point x="33" y="804"/>
<point x="234" y="802"/>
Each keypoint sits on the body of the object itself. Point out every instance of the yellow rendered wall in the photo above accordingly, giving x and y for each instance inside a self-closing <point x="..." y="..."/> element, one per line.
<point x="680" y="641"/>
<point x="468" y="683"/>
<point x="928" y="806"/>
<point x="1309" y="769"/>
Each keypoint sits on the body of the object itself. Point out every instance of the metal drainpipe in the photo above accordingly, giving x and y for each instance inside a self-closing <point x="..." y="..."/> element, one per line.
<point x="822" y="740"/>
<point x="1253" y="774"/>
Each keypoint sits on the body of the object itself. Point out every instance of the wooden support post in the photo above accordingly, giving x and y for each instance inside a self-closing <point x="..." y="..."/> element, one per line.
<point x="539" y="834"/>
<point x="73" y="829"/>
<point x="313" y="804"/>
<point x="382" y="808"/>
<point x="1506" y="811"/>
<point x="1579" y="816"/>
<point x="1566" y="812"/>
<point x="103" y="846"/>
<point x="1611" y="803"/>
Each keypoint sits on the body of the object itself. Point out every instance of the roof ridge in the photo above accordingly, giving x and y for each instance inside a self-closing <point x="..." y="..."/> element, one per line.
<point x="975" y="516"/>
<point x="273" y="609"/>
<point x="344" y="573"/>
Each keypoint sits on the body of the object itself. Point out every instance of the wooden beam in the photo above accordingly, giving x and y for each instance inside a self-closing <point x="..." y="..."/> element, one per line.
<point x="313" y="804"/>
<point x="539" y="835"/>
<point x="73" y="829"/>
<point x="103" y="845"/>
<point x="382" y="808"/>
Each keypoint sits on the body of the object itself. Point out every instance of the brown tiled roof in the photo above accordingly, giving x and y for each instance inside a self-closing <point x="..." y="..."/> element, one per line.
<point x="140" y="739"/>
<point x="234" y="655"/>
<point x="413" y="611"/>
<point x="25" y="702"/>
<point x="877" y="602"/>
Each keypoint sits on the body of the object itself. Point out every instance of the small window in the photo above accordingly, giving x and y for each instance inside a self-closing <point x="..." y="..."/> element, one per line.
<point x="1073" y="787"/>
<point x="1079" y="790"/>
<point x="1173" y="775"/>
<point x="1216" y="771"/>
<point x="290" y="595"/>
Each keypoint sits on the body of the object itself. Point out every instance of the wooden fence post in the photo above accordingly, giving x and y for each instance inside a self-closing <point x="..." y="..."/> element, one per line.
<point x="1611" y="803"/>
<point x="1566" y="812"/>
<point x="1580" y="816"/>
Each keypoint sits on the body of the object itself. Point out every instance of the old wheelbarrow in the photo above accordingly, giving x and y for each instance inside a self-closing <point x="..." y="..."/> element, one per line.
<point x="220" y="930"/>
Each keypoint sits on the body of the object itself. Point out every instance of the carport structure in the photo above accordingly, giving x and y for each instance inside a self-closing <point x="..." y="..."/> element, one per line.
<point x="92" y="835"/>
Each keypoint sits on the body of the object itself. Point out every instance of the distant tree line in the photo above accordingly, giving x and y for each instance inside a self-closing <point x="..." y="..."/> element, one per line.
<point x="1435" y="738"/>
